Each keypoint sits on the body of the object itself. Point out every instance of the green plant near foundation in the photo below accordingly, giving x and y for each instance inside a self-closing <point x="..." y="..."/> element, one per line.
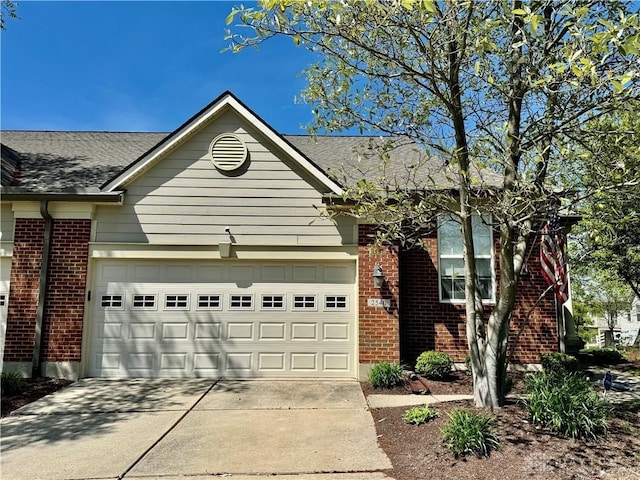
<point x="419" y="415"/>
<point x="567" y="405"/>
<point x="434" y="365"/>
<point x="469" y="433"/>
<point x="386" y="375"/>
<point x="12" y="383"/>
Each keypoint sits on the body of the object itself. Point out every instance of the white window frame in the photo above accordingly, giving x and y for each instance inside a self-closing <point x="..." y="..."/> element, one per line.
<point x="5" y="300"/>
<point x="177" y="295"/>
<point x="209" y="295"/>
<point x="486" y="221"/>
<point x="242" y="299"/>
<point x="155" y="301"/>
<point x="111" y="307"/>
<point x="336" y="308"/>
<point x="304" y="308"/>
<point x="273" y="295"/>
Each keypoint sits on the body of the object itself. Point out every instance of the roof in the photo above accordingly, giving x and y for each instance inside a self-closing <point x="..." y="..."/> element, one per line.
<point x="44" y="162"/>
<point x="58" y="161"/>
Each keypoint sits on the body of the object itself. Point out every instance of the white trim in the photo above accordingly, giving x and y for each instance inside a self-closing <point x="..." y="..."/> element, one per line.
<point x="6" y="249"/>
<point x="142" y="251"/>
<point x="490" y="257"/>
<point x="180" y="135"/>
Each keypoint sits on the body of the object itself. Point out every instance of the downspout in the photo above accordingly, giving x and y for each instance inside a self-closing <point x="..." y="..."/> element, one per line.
<point x="42" y="292"/>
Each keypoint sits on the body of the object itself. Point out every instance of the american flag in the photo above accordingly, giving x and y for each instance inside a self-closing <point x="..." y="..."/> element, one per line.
<point x="552" y="259"/>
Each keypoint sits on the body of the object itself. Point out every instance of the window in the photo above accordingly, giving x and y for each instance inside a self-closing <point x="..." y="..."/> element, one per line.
<point x="209" y="302"/>
<point x="273" y="302"/>
<point x="451" y="261"/>
<point x="115" y="302"/>
<point x="304" y="302"/>
<point x="3" y="300"/>
<point x="241" y="302"/>
<point x="144" y="302"/>
<point x="176" y="302"/>
<point x="335" y="302"/>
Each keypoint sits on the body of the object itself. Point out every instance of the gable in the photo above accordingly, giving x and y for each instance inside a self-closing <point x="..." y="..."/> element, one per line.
<point x="199" y="121"/>
<point x="182" y="198"/>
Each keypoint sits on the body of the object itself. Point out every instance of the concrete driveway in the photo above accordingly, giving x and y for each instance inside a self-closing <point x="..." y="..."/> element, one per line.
<point x="110" y="429"/>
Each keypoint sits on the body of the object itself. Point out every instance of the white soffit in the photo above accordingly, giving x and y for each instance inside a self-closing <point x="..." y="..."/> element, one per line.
<point x="227" y="100"/>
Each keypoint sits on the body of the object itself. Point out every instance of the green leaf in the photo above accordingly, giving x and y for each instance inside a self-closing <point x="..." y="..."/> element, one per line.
<point x="231" y="16"/>
<point x="518" y="11"/>
<point x="429" y="6"/>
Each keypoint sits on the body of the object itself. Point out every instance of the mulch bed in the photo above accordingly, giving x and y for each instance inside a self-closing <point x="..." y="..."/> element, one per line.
<point x="35" y="388"/>
<point x="525" y="452"/>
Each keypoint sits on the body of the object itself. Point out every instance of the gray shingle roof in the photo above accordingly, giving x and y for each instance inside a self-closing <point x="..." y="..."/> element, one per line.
<point x="59" y="161"/>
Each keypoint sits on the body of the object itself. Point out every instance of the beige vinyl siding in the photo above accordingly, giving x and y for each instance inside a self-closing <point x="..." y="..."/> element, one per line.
<point x="6" y="223"/>
<point x="184" y="199"/>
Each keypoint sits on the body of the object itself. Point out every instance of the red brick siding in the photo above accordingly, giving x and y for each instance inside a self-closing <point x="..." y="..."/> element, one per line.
<point x="428" y="324"/>
<point x="62" y="331"/>
<point x="379" y="336"/>
<point x="23" y="290"/>
<point x="62" y="324"/>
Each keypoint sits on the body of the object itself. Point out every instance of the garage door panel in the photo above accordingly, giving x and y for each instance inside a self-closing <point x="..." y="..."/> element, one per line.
<point x="181" y="319"/>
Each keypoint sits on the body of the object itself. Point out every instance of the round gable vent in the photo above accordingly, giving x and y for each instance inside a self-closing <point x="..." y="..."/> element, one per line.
<point x="228" y="152"/>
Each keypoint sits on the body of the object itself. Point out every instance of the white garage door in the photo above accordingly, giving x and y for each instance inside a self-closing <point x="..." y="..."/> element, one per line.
<point x="5" y="272"/>
<point x="177" y="319"/>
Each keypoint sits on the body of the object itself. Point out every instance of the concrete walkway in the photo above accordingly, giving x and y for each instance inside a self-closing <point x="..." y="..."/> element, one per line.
<point x="249" y="430"/>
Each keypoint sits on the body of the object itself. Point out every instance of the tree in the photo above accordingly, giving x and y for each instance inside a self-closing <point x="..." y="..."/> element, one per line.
<point x="7" y="8"/>
<point x="609" y="233"/>
<point x="498" y="91"/>
<point x="604" y="295"/>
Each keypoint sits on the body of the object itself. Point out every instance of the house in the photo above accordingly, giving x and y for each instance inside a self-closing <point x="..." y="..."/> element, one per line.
<point x="201" y="253"/>
<point x="625" y="332"/>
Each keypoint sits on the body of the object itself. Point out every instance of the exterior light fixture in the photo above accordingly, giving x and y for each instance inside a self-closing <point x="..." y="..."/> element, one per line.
<point x="378" y="276"/>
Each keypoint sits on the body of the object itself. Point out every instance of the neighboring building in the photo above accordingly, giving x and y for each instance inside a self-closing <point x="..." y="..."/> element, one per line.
<point x="201" y="253"/>
<point x="625" y="331"/>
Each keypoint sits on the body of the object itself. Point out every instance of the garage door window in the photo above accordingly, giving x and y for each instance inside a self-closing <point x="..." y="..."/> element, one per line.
<point x="112" y="302"/>
<point x="144" y="302"/>
<point x="273" y="302"/>
<point x="176" y="302"/>
<point x="336" y="302"/>
<point x="241" y="302"/>
<point x="304" y="302"/>
<point x="210" y="302"/>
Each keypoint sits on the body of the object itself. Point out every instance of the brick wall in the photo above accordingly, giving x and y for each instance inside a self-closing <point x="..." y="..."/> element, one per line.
<point x="64" y="310"/>
<point x="427" y="324"/>
<point x="23" y="289"/>
<point x="379" y="334"/>
<point x="62" y="324"/>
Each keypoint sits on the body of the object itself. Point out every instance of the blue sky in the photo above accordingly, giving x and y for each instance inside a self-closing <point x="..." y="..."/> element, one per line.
<point x="138" y="66"/>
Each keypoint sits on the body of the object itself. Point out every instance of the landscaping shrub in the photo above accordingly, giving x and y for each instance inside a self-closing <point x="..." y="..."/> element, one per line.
<point x="434" y="365"/>
<point x="468" y="432"/>
<point x="603" y="356"/>
<point x="12" y="383"/>
<point x="419" y="415"/>
<point x="567" y="405"/>
<point x="386" y="375"/>
<point x="559" y="363"/>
